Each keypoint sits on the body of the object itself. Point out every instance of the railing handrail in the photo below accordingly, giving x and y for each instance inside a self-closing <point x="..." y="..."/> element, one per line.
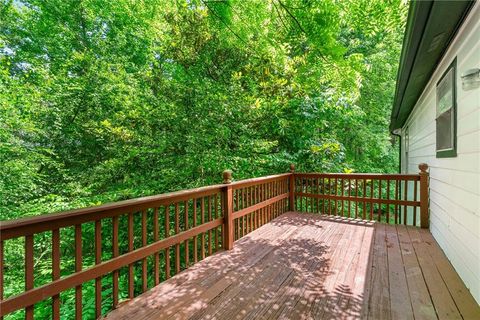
<point x="29" y="225"/>
<point x="381" y="176"/>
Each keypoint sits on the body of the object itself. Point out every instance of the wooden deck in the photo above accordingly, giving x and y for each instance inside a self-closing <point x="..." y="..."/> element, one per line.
<point x="307" y="266"/>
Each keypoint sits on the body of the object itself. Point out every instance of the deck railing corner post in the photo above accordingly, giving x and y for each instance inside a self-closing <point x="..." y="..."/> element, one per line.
<point x="291" y="198"/>
<point x="424" y="196"/>
<point x="227" y="194"/>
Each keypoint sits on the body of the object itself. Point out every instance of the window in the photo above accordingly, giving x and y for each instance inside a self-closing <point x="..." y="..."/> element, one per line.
<point x="447" y="114"/>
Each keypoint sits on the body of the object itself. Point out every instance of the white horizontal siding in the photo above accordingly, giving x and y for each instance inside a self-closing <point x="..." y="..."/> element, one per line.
<point x="454" y="182"/>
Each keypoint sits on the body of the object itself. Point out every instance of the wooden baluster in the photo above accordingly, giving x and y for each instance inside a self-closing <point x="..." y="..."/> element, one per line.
<point x="307" y="192"/>
<point x="236" y="225"/>
<point x="244" y="205"/>
<point x="263" y="196"/>
<point x="260" y="198"/>
<point x="177" y="246"/>
<point x="371" y="197"/>
<point x="209" y="204"/>
<point x="356" y="196"/>
<point x="255" y="213"/>
<point x="202" y="221"/>
<point x="255" y="198"/>
<point x="186" y="243"/>
<point x="237" y="221"/>
<point x="78" y="268"/>
<point x="144" y="243"/>
<point x="252" y="200"/>
<point x="274" y="210"/>
<point x="295" y="197"/>
<point x="115" y="253"/>
<point x="167" y="234"/>
<point x="405" y="197"/>
<point x="388" y="203"/>
<point x="396" y="204"/>
<point x="317" y="182"/>
<point x="364" y="197"/>
<point x="221" y="214"/>
<point x="239" y="204"/>
<point x="349" y="196"/>
<point x="258" y="193"/>
<point x="266" y="190"/>
<point x="240" y="220"/>
<point x="277" y="191"/>
<point x="271" y="193"/>
<point x="269" y="207"/>
<point x="131" y="278"/>
<point x="268" y="193"/>
<point x="312" y="192"/>
<point x="324" y="200"/>
<point x="336" y="196"/>
<point x="301" y="189"/>
<point x="415" y="199"/>
<point x="55" y="271"/>
<point x="195" y="240"/>
<point x="330" y="192"/>
<point x="156" y="256"/>
<point x="341" y="194"/>
<point x="98" y="260"/>
<point x="247" y="222"/>
<point x="280" y="192"/>
<point x="328" y="200"/>
<point x="379" y="215"/>
<point x="308" y="198"/>
<point x="29" y="272"/>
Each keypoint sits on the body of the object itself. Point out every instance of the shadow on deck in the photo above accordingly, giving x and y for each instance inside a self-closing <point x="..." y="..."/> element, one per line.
<point x="308" y="266"/>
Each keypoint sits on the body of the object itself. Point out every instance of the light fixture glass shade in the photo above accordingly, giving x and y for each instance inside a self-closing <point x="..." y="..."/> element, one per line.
<point x="471" y="79"/>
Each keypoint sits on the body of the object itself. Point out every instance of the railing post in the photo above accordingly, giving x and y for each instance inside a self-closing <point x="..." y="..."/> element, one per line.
<point x="291" y="199"/>
<point x="424" y="200"/>
<point x="228" y="210"/>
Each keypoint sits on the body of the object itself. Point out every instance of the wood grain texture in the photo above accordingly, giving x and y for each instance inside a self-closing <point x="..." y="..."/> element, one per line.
<point x="310" y="266"/>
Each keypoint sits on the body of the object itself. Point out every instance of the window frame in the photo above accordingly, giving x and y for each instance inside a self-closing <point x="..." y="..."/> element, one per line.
<point x="448" y="153"/>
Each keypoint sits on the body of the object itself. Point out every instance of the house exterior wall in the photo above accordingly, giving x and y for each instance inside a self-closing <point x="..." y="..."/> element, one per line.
<point x="454" y="182"/>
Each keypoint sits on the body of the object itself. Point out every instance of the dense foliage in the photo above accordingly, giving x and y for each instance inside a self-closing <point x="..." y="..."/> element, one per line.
<point x="106" y="100"/>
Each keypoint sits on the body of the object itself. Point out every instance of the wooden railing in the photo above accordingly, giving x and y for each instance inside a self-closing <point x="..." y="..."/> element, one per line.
<point x="388" y="198"/>
<point x="141" y="242"/>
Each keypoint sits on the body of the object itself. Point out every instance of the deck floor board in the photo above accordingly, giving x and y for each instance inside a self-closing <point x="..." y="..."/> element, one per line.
<point x="310" y="266"/>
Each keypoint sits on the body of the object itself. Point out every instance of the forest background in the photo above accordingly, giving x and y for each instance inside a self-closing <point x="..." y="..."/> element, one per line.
<point x="108" y="100"/>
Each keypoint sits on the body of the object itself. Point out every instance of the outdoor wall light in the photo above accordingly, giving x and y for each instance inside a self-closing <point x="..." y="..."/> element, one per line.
<point x="471" y="79"/>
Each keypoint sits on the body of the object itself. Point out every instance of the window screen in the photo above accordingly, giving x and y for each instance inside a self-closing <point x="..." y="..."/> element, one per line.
<point x="446" y="112"/>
